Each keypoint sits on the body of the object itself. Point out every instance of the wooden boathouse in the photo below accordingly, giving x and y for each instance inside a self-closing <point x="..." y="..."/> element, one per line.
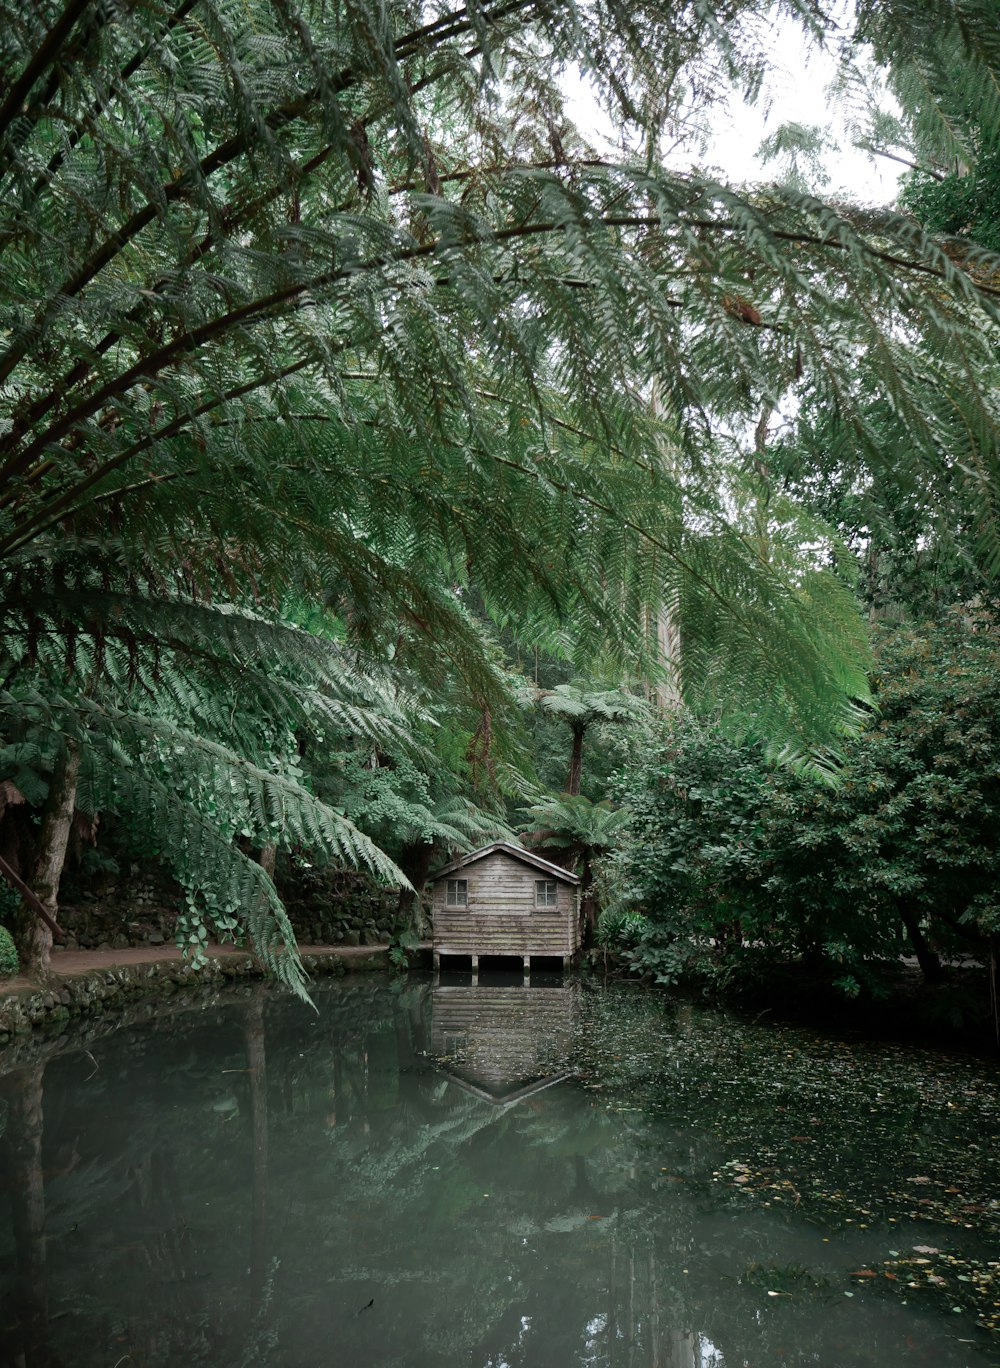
<point x="506" y="901"/>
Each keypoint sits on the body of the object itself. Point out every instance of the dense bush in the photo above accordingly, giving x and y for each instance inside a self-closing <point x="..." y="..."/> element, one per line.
<point x="738" y="864"/>
<point x="8" y="954"/>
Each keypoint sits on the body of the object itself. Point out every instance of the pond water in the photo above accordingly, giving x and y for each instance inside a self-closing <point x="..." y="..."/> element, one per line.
<point x="496" y="1176"/>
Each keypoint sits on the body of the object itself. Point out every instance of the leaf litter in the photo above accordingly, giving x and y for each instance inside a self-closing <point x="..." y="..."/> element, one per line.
<point x="885" y="1139"/>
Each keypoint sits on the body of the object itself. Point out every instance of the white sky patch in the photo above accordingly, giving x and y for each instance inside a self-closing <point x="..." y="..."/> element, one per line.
<point x="798" y="91"/>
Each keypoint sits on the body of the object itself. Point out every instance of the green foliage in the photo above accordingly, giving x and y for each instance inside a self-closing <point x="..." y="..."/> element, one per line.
<point x="187" y="727"/>
<point x="798" y="150"/>
<point x="909" y="539"/>
<point x="949" y="133"/>
<point x="390" y="284"/>
<point x="738" y="865"/>
<point x="399" y="804"/>
<point x="916" y="820"/>
<point x="576" y="822"/>
<point x="319" y="325"/>
<point x="580" y="706"/>
<point x="965" y="204"/>
<point x="8" y="953"/>
<point x="401" y="947"/>
<point x="693" y="854"/>
<point x="619" y="929"/>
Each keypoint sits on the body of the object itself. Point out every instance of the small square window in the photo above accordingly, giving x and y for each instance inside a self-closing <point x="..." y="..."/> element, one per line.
<point x="458" y="893"/>
<point x="546" y="894"/>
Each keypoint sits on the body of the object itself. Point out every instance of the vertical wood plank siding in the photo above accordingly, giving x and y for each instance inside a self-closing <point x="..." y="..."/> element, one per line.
<point x="501" y="917"/>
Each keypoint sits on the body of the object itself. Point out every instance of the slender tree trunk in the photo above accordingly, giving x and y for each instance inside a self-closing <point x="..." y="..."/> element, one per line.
<point x="576" y="760"/>
<point x="588" y="904"/>
<point x="267" y="857"/>
<point x="872" y="575"/>
<point x="663" y="625"/>
<point x="928" y="959"/>
<point x="995" y="985"/>
<point x="34" y="937"/>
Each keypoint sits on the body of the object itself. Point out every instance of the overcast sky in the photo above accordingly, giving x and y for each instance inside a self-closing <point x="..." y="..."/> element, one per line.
<point x="798" y="92"/>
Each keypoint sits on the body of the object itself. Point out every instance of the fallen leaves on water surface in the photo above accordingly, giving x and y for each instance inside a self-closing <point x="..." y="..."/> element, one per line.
<point x="975" y="1282"/>
<point x="849" y="1135"/>
<point x="766" y="1180"/>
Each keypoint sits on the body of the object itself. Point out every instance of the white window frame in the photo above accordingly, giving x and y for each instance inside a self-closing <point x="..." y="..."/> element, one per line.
<point x="456" y="893"/>
<point x="546" y="893"/>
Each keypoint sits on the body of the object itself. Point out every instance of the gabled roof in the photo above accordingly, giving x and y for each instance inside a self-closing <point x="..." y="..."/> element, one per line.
<point x="527" y="857"/>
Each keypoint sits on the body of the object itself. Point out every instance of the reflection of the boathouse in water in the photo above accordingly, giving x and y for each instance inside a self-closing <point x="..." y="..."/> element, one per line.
<point x="501" y="1041"/>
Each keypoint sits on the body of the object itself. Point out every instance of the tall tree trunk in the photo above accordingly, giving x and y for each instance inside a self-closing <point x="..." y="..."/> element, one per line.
<point x="576" y="760"/>
<point x="33" y="935"/>
<point x="664" y="628"/>
<point x="415" y="862"/>
<point x="928" y="959"/>
<point x="872" y="577"/>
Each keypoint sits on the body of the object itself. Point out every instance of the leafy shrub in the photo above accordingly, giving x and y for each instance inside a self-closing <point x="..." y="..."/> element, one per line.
<point x="618" y="928"/>
<point x="8" y="954"/>
<point x="740" y="865"/>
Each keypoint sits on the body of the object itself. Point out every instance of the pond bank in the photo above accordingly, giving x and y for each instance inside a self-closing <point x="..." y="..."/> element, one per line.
<point x="82" y="982"/>
<point x="897" y="1003"/>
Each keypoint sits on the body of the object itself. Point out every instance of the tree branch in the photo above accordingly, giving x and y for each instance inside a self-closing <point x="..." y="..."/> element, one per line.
<point x="32" y="899"/>
<point x="46" y="516"/>
<point x="40" y="62"/>
<point x="225" y="153"/>
<point x="903" y="161"/>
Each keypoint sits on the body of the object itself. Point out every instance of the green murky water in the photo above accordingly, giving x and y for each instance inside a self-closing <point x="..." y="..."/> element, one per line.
<point x="493" y="1176"/>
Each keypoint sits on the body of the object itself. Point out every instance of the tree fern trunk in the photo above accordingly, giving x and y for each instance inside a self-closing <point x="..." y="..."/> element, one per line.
<point x="668" y="649"/>
<point x="34" y="937"/>
<point x="576" y="761"/>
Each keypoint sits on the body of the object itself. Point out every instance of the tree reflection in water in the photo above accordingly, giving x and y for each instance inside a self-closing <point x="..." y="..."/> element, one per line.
<point x="407" y="1178"/>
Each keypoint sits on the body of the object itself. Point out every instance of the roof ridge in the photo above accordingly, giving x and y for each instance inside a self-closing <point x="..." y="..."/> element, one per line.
<point x="516" y="852"/>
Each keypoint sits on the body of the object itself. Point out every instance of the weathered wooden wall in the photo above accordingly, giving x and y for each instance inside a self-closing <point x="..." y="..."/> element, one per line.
<point x="501" y="918"/>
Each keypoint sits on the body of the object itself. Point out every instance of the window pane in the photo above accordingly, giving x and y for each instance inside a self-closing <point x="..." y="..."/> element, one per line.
<point x="458" y="893"/>
<point x="545" y="893"/>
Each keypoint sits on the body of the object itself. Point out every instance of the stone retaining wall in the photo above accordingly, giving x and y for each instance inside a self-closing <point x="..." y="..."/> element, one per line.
<point x="138" y="906"/>
<point x="49" y="1008"/>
